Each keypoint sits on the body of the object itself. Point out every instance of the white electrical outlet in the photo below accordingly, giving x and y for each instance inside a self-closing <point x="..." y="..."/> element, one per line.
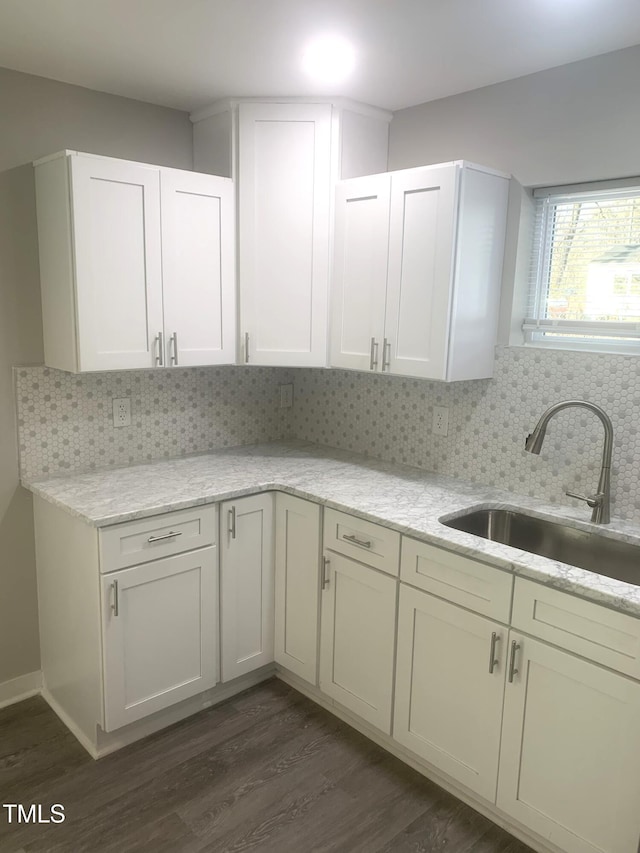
<point x="286" y="396"/>
<point x="121" y="411"/>
<point x="440" y="425"/>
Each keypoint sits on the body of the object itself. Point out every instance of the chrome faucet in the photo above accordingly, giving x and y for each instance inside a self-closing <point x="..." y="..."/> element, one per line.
<point x="601" y="501"/>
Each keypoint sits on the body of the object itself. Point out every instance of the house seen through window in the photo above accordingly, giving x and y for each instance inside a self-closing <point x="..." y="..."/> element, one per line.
<point x="585" y="284"/>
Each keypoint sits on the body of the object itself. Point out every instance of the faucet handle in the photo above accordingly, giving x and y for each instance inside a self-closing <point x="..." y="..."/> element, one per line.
<point x="590" y="500"/>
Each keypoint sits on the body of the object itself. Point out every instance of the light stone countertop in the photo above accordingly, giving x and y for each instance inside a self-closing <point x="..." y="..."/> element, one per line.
<point x="406" y="499"/>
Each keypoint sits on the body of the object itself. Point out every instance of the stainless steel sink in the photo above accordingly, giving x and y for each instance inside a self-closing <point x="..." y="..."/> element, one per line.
<point x="591" y="551"/>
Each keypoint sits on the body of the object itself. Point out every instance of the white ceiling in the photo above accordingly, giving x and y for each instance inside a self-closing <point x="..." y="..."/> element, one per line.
<point x="188" y="53"/>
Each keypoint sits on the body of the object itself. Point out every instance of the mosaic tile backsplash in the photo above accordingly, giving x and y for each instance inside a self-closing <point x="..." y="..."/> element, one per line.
<point x="391" y="418"/>
<point x="65" y="420"/>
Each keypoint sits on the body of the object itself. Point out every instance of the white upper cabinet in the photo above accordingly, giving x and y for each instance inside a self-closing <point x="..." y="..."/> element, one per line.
<point x="136" y="264"/>
<point x="360" y="272"/>
<point x="286" y="157"/>
<point x="198" y="268"/>
<point x="436" y="235"/>
<point x="284" y="195"/>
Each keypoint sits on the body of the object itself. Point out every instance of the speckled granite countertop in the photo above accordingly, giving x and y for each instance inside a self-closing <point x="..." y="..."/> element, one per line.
<point x="407" y="499"/>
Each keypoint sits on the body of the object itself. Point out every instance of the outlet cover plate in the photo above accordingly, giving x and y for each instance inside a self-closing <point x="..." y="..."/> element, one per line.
<point x="286" y="396"/>
<point x="121" y="412"/>
<point x="440" y="425"/>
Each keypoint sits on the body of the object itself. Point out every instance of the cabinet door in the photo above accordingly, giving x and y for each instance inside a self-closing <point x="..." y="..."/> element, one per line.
<point x="359" y="279"/>
<point x="448" y="705"/>
<point x="116" y="222"/>
<point x="569" y="760"/>
<point x="357" y="638"/>
<point x="160" y="635"/>
<point x="246" y="586"/>
<point x="198" y="272"/>
<point x="284" y="195"/>
<point x="297" y="586"/>
<point x="420" y="274"/>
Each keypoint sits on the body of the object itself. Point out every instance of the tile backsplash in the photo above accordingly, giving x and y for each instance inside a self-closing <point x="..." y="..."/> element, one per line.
<point x="65" y="420"/>
<point x="391" y="418"/>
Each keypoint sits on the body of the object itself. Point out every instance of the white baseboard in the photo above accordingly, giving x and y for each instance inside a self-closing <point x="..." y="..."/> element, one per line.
<point x="22" y="687"/>
<point x="66" y="719"/>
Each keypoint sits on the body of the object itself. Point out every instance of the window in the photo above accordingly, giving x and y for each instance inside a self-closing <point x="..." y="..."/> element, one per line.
<point x="585" y="280"/>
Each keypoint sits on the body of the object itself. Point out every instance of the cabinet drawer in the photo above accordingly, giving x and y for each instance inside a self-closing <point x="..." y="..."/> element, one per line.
<point x="362" y="540"/>
<point x="595" y="632"/>
<point x="148" y="539"/>
<point x="470" y="583"/>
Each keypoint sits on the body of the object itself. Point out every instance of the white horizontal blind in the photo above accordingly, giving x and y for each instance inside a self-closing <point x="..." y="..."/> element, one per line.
<point x="585" y="276"/>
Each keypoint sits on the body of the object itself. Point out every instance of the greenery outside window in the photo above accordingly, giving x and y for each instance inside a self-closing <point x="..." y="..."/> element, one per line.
<point x="585" y="280"/>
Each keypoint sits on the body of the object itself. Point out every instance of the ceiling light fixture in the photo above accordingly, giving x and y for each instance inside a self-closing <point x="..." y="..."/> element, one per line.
<point x="329" y="59"/>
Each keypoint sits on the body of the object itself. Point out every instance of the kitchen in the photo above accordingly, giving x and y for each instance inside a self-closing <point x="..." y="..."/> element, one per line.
<point x="565" y="125"/>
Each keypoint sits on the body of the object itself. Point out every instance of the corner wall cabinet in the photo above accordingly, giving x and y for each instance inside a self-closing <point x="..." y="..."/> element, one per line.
<point x="522" y="698"/>
<point x="417" y="271"/>
<point x="285" y="157"/>
<point x="137" y="264"/>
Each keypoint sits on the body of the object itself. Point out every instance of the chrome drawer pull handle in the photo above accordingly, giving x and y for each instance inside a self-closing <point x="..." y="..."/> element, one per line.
<point x="171" y="535"/>
<point x="116" y="602"/>
<point x="160" y="350"/>
<point x="173" y="345"/>
<point x="386" y="355"/>
<point x="373" y="359"/>
<point x="493" y="660"/>
<point x="232" y="522"/>
<point x="325" y="572"/>
<point x="512" y="663"/>
<point x="351" y="538"/>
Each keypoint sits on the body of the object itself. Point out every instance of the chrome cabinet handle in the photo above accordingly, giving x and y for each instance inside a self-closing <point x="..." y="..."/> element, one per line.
<point x="351" y="538"/>
<point x="172" y="534"/>
<point x="373" y="360"/>
<point x="173" y="347"/>
<point x="386" y="359"/>
<point x="160" y="350"/>
<point x="115" y="605"/>
<point x="515" y="646"/>
<point x="493" y="660"/>
<point x="232" y="522"/>
<point x="246" y="347"/>
<point x="326" y="563"/>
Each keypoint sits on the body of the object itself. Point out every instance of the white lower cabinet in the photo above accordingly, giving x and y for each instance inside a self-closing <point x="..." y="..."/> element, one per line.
<point x="569" y="768"/>
<point x="160" y="635"/>
<point x="449" y="688"/>
<point x="297" y="555"/>
<point x="357" y="641"/>
<point x="246" y="584"/>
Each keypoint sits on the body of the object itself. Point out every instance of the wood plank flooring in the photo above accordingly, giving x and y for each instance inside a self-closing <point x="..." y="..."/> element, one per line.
<point x="266" y="771"/>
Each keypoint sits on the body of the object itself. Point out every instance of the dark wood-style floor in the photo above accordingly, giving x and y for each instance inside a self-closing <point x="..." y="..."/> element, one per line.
<point x="266" y="771"/>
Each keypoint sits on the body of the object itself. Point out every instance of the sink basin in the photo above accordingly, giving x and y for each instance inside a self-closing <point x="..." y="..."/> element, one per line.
<point x="591" y="551"/>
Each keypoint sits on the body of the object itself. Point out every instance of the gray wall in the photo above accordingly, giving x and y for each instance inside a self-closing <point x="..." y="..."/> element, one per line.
<point x="579" y="122"/>
<point x="38" y="117"/>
